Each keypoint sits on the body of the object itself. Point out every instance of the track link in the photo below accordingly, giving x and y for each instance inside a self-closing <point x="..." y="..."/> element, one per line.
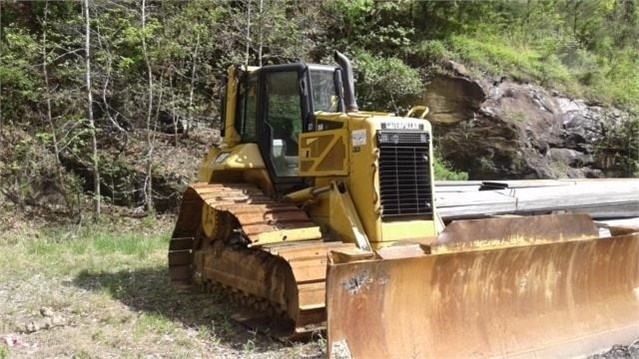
<point x="282" y="283"/>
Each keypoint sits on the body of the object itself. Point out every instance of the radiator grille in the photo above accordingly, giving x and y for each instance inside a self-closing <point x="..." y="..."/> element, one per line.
<point x="404" y="173"/>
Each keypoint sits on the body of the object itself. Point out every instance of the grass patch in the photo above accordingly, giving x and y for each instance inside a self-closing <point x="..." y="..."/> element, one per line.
<point x="153" y="322"/>
<point x="60" y="251"/>
<point x="131" y="244"/>
<point x="498" y="56"/>
<point x="556" y="63"/>
<point x="109" y="287"/>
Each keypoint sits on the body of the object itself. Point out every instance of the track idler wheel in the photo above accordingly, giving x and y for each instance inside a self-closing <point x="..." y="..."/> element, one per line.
<point x="216" y="225"/>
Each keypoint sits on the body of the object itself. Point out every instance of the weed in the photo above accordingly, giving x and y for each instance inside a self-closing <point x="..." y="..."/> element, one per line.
<point x="141" y="246"/>
<point x="516" y="116"/>
<point x="208" y="333"/>
<point x="203" y="332"/>
<point x="227" y="326"/>
<point x="321" y="341"/>
<point x="486" y="162"/>
<point x="156" y="323"/>
<point x="183" y="355"/>
<point x="249" y="346"/>
<point x="559" y="169"/>
<point x="98" y="335"/>
<point x="150" y="220"/>
<point x="81" y="355"/>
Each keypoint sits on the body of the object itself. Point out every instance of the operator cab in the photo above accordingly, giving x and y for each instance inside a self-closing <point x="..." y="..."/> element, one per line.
<point x="276" y="103"/>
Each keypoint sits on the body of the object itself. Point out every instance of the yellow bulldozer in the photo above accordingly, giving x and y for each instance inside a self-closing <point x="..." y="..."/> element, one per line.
<point x="318" y="215"/>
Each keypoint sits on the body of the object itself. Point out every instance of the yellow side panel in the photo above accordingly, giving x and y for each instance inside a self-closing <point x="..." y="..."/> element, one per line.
<point x="241" y="157"/>
<point x="244" y="156"/>
<point x="323" y="153"/>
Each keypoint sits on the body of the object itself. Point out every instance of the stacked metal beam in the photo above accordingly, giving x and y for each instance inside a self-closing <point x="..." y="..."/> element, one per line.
<point x="601" y="198"/>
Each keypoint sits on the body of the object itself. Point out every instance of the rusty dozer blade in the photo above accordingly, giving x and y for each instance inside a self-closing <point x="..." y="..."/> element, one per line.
<point x="531" y="287"/>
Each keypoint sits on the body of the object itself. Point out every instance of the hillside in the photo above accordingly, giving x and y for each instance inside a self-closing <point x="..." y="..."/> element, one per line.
<point x="155" y="76"/>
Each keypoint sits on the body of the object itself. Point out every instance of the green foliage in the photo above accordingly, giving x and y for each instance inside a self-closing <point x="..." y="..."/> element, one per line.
<point x="377" y="27"/>
<point x="571" y="69"/>
<point x="433" y="50"/>
<point x="617" y="80"/>
<point x="18" y="72"/>
<point x="386" y="83"/>
<point x="491" y="54"/>
<point x="444" y="171"/>
<point x="581" y="48"/>
<point x="621" y="145"/>
<point x="30" y="174"/>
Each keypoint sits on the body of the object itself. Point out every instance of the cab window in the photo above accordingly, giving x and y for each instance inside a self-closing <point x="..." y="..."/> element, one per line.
<point x="284" y="116"/>
<point x="324" y="93"/>
<point x="247" y="107"/>
<point x="250" y="114"/>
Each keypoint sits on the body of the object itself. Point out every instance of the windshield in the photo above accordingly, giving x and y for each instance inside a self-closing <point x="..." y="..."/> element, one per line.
<point x="324" y="93"/>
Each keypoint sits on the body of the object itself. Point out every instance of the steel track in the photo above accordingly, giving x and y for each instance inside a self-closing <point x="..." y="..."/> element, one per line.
<point x="281" y="285"/>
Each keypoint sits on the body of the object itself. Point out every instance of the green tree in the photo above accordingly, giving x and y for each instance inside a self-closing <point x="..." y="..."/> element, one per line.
<point x="386" y="83"/>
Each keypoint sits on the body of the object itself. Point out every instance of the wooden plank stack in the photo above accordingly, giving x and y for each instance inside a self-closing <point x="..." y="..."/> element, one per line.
<point x="601" y="198"/>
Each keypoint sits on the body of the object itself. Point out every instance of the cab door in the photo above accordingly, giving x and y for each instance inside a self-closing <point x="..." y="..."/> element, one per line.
<point x="285" y="112"/>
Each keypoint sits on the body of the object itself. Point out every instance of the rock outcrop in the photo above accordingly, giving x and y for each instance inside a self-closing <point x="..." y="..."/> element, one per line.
<point x="503" y="129"/>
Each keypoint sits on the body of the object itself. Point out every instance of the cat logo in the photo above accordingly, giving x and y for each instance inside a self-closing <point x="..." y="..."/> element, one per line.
<point x="404" y="125"/>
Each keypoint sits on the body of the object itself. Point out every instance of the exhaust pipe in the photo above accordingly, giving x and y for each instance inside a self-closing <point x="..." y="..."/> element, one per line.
<point x="347" y="81"/>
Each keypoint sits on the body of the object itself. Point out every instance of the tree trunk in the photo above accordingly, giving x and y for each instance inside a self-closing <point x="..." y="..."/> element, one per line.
<point x="94" y="142"/>
<point x="173" y="113"/>
<point x="260" y="25"/>
<point x="189" y="118"/>
<point x="248" y="31"/>
<point x="1" y="118"/>
<point x="148" y="183"/>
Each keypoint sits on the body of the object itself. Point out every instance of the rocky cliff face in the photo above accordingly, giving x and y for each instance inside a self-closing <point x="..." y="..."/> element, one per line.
<point x="503" y="129"/>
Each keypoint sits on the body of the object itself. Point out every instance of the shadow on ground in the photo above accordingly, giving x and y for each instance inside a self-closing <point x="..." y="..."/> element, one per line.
<point x="149" y="291"/>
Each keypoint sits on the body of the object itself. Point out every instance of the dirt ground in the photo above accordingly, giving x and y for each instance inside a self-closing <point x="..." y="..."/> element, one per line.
<point x="102" y="291"/>
<point x="44" y="323"/>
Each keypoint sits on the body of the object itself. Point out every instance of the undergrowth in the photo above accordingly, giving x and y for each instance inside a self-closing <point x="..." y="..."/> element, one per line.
<point x="444" y="171"/>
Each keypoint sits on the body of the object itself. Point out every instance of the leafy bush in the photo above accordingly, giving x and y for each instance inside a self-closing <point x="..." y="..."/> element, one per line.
<point x="444" y="170"/>
<point x="622" y="145"/>
<point x="30" y="174"/>
<point x="433" y="50"/>
<point x="18" y="74"/>
<point x="387" y="83"/>
<point x="617" y="80"/>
